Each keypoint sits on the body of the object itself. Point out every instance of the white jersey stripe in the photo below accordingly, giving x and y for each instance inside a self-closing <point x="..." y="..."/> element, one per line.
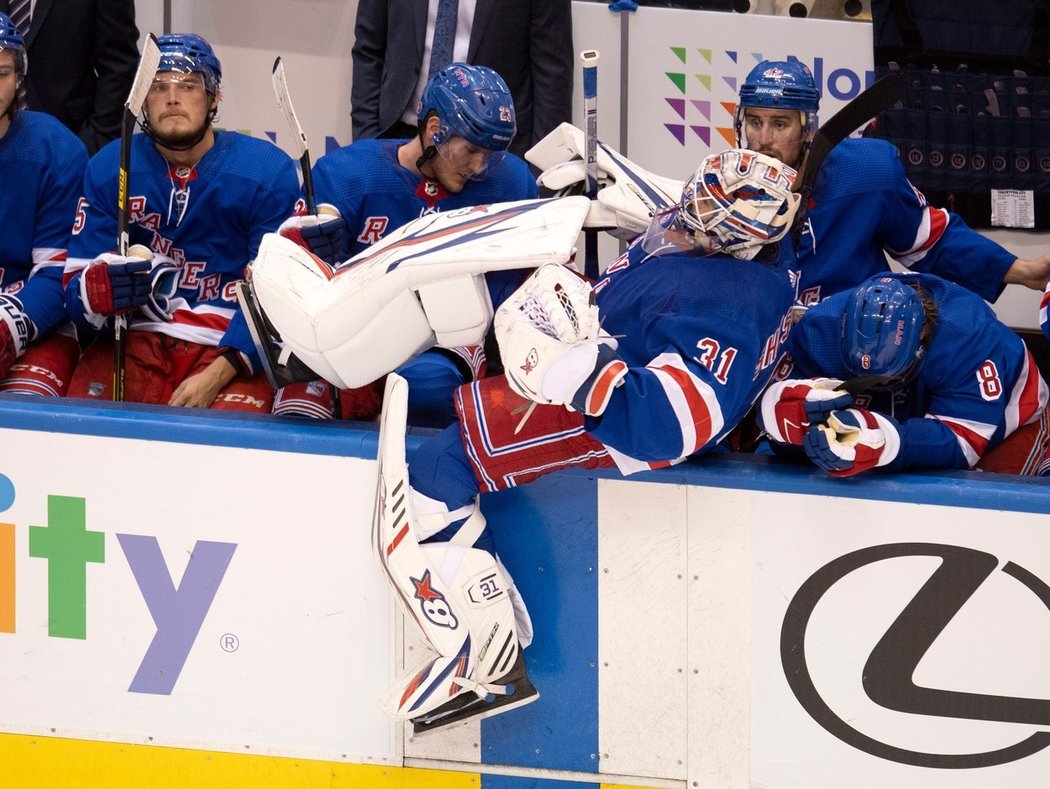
<point x="692" y="400"/>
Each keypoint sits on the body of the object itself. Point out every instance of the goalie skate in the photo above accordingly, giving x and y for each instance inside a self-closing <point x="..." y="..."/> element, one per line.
<point x="280" y="366"/>
<point x="458" y="595"/>
<point x="513" y="689"/>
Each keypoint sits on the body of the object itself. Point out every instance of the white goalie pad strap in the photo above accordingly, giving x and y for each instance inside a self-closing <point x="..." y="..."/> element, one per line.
<point x="360" y="322"/>
<point x="432" y="516"/>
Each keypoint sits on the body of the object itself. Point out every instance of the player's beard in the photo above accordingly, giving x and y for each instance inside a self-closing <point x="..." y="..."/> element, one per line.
<point x="178" y="141"/>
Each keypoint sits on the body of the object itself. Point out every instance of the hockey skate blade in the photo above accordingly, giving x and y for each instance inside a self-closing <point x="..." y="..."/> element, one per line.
<point x="470" y="707"/>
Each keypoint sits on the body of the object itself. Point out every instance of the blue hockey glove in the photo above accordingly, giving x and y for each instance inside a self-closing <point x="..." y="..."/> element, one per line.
<point x="112" y="284"/>
<point x="323" y="234"/>
<point x="788" y="408"/>
<point x="852" y="441"/>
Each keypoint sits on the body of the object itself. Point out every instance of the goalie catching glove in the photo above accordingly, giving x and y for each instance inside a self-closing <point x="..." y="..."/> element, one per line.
<point x="789" y="407"/>
<point x="628" y="196"/>
<point x="853" y="441"/>
<point x="553" y="349"/>
<point x="323" y="233"/>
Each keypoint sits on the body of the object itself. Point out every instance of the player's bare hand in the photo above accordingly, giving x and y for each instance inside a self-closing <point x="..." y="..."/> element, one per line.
<point x="200" y="390"/>
<point x="1032" y="274"/>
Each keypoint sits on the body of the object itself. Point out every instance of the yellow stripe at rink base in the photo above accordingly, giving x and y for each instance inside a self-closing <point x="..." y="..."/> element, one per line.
<point x="28" y="762"/>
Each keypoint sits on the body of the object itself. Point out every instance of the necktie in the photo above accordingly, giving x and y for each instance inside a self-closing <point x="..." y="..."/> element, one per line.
<point x="20" y="14"/>
<point x="444" y="35"/>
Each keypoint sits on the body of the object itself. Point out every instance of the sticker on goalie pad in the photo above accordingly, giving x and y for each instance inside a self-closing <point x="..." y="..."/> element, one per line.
<point x="422" y="285"/>
<point x="458" y="595"/>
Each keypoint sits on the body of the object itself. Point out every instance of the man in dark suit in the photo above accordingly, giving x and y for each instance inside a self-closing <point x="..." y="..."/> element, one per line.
<point x="527" y="42"/>
<point x="82" y="60"/>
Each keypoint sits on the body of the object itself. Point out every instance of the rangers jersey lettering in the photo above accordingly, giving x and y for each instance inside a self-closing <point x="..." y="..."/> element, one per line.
<point x="209" y="218"/>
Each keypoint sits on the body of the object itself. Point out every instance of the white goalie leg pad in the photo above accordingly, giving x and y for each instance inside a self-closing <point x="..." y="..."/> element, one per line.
<point x="462" y="592"/>
<point x="432" y="516"/>
<point x="423" y="284"/>
<point x="458" y="595"/>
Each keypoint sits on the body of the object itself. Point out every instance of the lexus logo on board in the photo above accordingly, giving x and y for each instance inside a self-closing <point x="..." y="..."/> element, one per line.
<point x="889" y="670"/>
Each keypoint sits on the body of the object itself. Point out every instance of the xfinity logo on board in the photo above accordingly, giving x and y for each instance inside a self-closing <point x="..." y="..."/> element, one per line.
<point x="889" y="670"/>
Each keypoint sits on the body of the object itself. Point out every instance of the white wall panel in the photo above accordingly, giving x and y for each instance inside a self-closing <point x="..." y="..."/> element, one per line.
<point x="643" y="622"/>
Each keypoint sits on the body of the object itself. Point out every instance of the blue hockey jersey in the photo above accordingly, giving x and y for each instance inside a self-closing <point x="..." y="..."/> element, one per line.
<point x="41" y="168"/>
<point x="864" y="206"/>
<point x="701" y="337"/>
<point x="209" y="218"/>
<point x="376" y="195"/>
<point x="977" y="383"/>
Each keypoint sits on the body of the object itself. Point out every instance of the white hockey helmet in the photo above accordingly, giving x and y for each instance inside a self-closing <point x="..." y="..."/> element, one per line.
<point x="736" y="202"/>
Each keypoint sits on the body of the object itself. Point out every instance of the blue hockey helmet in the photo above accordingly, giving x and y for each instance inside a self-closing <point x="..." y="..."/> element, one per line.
<point x="188" y="53"/>
<point x="882" y="330"/>
<point x="473" y="102"/>
<point x="736" y="202"/>
<point x="11" y="41"/>
<point x="779" y="84"/>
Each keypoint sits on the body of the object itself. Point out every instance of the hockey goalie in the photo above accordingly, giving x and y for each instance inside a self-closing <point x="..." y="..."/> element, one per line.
<point x="658" y="361"/>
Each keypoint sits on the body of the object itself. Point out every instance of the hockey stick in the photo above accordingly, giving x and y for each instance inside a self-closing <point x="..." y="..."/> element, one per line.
<point x="882" y="95"/>
<point x="589" y="62"/>
<point x="147" y="69"/>
<point x="284" y="104"/>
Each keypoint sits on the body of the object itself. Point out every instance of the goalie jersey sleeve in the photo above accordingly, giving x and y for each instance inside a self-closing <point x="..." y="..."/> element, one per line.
<point x="977" y="384"/>
<point x="41" y="167"/>
<point x="697" y="360"/>
<point x="210" y="219"/>
<point x="864" y="208"/>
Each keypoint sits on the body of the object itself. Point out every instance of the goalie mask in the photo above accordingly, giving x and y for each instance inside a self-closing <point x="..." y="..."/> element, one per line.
<point x="778" y="85"/>
<point x="736" y="202"/>
<point x="472" y="102"/>
<point x="882" y="331"/>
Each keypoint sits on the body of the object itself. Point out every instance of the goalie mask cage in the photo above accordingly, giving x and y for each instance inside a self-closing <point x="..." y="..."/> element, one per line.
<point x="976" y="114"/>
